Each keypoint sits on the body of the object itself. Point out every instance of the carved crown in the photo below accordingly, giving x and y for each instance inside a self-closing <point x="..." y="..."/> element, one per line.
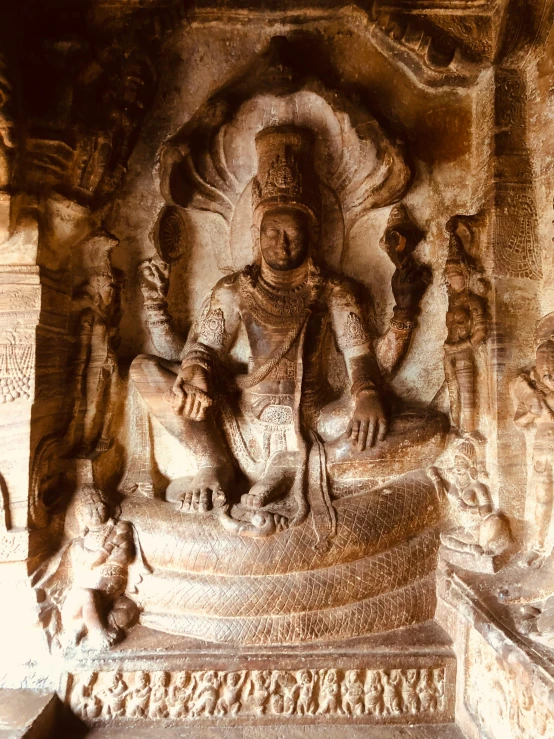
<point x="545" y="330"/>
<point x="286" y="173"/>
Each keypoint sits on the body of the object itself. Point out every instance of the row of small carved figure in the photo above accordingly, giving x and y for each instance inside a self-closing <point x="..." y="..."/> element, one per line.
<point x="186" y="694"/>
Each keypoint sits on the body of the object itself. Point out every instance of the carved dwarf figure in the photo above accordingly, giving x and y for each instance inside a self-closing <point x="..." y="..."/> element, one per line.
<point x="98" y="306"/>
<point x="158" y="696"/>
<point x="467" y="326"/>
<point x="533" y="396"/>
<point x="391" y="692"/>
<point x="427" y="691"/>
<point x="410" y="697"/>
<point x="374" y="704"/>
<point x="114" y="696"/>
<point x="180" y="694"/>
<point x="84" y="701"/>
<point x="230" y="701"/>
<point x="353" y="693"/>
<point x="284" y="691"/>
<point x="139" y="698"/>
<point x="477" y="528"/>
<point x="330" y="693"/>
<point x="95" y="605"/>
<point x="259" y="685"/>
<point x="305" y="705"/>
<point x="205" y="700"/>
<point x="275" y="420"/>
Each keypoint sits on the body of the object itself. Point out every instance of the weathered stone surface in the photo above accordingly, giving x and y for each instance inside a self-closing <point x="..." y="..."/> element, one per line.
<point x="276" y="363"/>
<point x="26" y="714"/>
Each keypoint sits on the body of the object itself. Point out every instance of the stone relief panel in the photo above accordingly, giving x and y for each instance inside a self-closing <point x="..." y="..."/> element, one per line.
<point x="500" y="696"/>
<point x="369" y="696"/>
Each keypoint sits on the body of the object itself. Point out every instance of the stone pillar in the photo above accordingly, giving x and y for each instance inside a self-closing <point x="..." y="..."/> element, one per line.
<point x="35" y="394"/>
<point x="514" y="261"/>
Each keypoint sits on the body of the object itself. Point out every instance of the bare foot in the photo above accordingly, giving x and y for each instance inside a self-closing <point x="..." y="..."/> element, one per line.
<point x="102" y="445"/>
<point x="273" y="485"/>
<point x="102" y="638"/>
<point x="535" y="558"/>
<point x="208" y="489"/>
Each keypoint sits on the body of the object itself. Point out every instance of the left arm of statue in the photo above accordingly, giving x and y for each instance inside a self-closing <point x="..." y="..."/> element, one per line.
<point x="479" y="322"/>
<point x="408" y="287"/>
<point x="121" y="551"/>
<point x="368" y="423"/>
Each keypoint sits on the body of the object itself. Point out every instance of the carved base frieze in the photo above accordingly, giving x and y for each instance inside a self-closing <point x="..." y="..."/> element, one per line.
<point x="382" y="680"/>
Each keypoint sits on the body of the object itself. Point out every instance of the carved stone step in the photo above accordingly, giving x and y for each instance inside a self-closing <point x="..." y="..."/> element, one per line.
<point x="27" y="714"/>
<point x="402" y="677"/>
<point x="442" y="731"/>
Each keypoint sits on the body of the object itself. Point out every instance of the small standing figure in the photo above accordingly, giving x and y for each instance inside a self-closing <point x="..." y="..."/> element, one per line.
<point x="284" y="691"/>
<point x="139" y="697"/>
<point x="98" y="308"/>
<point x="95" y="605"/>
<point x="374" y="705"/>
<point x="427" y="692"/>
<point x="84" y="702"/>
<point x="533" y="396"/>
<point x="438" y="679"/>
<point x="180" y="694"/>
<point x="410" y="697"/>
<point x="158" y="695"/>
<point x="260" y="686"/>
<point x="114" y="697"/>
<point x="467" y="326"/>
<point x="353" y="693"/>
<point x="230" y="701"/>
<point x="478" y="532"/>
<point x="391" y="693"/>
<point x="330" y="693"/>
<point x="305" y="704"/>
<point x="205" y="701"/>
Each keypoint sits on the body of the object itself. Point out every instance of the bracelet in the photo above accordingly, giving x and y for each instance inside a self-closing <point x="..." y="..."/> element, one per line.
<point x="402" y="325"/>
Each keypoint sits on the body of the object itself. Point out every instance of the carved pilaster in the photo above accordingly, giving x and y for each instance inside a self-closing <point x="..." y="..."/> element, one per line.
<point x="514" y="260"/>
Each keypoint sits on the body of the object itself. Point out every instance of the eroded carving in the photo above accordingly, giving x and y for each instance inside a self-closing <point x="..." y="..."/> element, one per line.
<point x="85" y="584"/>
<point x="97" y="307"/>
<point x="467" y="325"/>
<point x="478" y="533"/>
<point x="288" y="694"/>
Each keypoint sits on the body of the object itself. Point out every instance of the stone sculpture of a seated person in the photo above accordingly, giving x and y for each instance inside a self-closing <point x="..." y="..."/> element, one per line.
<point x="275" y="425"/>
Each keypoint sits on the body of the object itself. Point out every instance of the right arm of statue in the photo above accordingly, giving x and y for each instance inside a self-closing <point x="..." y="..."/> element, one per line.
<point x="154" y="284"/>
<point x="408" y="287"/>
<point x="528" y="404"/>
<point x="208" y="343"/>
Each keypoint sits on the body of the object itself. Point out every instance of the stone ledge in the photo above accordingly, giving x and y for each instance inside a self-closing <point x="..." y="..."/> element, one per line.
<point x="401" y="677"/>
<point x="27" y="714"/>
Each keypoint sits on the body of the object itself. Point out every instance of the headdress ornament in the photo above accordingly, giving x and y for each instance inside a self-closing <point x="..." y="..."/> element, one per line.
<point x="286" y="175"/>
<point x="545" y="330"/>
<point x="89" y="495"/>
<point x="467" y="450"/>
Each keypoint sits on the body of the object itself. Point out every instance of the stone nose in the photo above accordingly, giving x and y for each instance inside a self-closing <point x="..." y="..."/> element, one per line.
<point x="285" y="240"/>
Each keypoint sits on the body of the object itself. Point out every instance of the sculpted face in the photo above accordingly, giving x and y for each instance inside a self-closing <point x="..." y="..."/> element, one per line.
<point x="456" y="279"/>
<point x="94" y="515"/>
<point x="284" y="238"/>
<point x="545" y="364"/>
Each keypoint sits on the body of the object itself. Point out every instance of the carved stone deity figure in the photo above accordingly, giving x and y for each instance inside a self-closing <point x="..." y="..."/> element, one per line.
<point x="310" y="478"/>
<point x="476" y="533"/>
<point x="272" y="422"/>
<point x="97" y="308"/>
<point x="467" y="326"/>
<point x="90" y="576"/>
<point x="533" y="396"/>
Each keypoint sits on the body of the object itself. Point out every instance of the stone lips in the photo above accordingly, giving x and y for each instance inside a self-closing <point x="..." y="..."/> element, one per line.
<point x="211" y="584"/>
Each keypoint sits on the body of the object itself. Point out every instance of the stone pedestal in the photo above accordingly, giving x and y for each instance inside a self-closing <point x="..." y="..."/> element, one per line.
<point x="405" y="677"/>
